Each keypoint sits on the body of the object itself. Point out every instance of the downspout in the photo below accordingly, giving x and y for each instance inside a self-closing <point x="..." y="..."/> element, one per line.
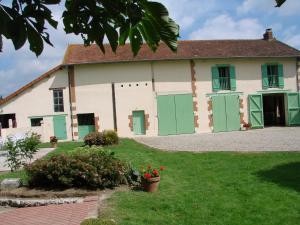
<point x="70" y="101"/>
<point x="298" y="73"/>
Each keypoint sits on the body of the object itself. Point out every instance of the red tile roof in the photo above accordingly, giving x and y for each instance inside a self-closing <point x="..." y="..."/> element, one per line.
<point x="31" y="84"/>
<point x="209" y="49"/>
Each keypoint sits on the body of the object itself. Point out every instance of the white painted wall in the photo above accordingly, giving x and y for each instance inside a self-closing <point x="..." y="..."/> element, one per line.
<point x="38" y="102"/>
<point x="248" y="76"/>
<point x="134" y="90"/>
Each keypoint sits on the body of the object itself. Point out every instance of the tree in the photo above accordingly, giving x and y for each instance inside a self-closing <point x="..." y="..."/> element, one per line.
<point x="119" y="20"/>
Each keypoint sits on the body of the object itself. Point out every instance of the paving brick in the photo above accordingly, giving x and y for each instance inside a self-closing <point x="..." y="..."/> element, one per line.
<point x="66" y="214"/>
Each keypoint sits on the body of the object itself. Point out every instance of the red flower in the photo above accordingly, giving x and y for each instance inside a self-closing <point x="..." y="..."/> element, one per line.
<point x="155" y="173"/>
<point x="162" y="168"/>
<point x="147" y="176"/>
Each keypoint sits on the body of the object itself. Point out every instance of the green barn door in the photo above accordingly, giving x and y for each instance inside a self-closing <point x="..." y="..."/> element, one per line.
<point x="138" y="122"/>
<point x="256" y="111"/>
<point x="59" y="124"/>
<point x="166" y="115"/>
<point x="84" y="130"/>
<point x="219" y="113"/>
<point x="293" y="105"/>
<point x="233" y="112"/>
<point x="184" y="114"/>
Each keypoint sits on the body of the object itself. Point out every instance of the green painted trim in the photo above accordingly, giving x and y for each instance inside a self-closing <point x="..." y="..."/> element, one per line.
<point x="225" y="93"/>
<point x="222" y="65"/>
<point x="273" y="91"/>
<point x="32" y="117"/>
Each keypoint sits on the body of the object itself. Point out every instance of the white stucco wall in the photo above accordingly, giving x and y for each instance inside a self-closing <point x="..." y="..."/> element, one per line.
<point x="37" y="101"/>
<point x="134" y="91"/>
<point x="248" y="81"/>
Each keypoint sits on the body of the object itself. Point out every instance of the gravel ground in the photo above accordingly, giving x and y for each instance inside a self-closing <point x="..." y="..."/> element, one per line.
<point x="268" y="139"/>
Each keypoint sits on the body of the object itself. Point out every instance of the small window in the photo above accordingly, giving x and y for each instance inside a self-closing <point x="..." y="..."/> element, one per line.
<point x="86" y="119"/>
<point x="224" y="77"/>
<point x="58" y="99"/>
<point x="273" y="78"/>
<point x="36" y="122"/>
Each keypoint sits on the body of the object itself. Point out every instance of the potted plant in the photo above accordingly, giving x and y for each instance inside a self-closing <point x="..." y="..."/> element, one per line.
<point x="246" y="126"/>
<point x="53" y="141"/>
<point x="150" y="178"/>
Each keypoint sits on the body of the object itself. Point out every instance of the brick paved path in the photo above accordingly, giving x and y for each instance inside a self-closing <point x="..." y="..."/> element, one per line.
<point x="66" y="214"/>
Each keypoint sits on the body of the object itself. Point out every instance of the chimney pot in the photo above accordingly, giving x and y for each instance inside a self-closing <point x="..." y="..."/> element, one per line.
<point x="268" y="35"/>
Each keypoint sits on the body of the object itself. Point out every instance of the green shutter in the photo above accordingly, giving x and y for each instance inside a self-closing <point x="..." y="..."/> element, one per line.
<point x="280" y="76"/>
<point x="264" y="72"/>
<point x="215" y="78"/>
<point x="232" y="78"/>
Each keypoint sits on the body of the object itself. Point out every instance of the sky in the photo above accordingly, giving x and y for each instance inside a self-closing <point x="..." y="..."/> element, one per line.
<point x="198" y="19"/>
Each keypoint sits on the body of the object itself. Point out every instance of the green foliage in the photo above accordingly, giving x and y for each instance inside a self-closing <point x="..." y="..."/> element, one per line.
<point x="118" y="20"/>
<point x="110" y="137"/>
<point x="21" y="150"/>
<point x="90" y="169"/>
<point x="98" y="222"/>
<point x="280" y="2"/>
<point x="94" y="138"/>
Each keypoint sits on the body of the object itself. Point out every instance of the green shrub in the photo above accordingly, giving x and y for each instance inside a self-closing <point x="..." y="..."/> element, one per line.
<point x="89" y="169"/>
<point x="110" y="137"/>
<point x="21" y="150"/>
<point x="94" y="138"/>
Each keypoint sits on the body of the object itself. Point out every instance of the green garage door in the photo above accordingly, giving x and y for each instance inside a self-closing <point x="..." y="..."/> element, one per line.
<point x="84" y="130"/>
<point x="226" y="113"/>
<point x="175" y="114"/>
<point x="256" y="111"/>
<point x="59" y="124"/>
<point x="293" y="109"/>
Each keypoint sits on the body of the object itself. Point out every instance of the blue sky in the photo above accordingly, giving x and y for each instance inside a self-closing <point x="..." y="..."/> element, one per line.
<point x="198" y="19"/>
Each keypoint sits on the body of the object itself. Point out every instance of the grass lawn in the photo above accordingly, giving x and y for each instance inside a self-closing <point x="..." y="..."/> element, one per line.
<point x="209" y="188"/>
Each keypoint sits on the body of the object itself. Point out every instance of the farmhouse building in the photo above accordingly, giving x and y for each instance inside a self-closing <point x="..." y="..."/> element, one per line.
<point x="207" y="86"/>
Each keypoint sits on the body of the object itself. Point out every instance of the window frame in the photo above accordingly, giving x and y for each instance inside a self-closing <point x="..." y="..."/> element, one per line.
<point x="37" y="118"/>
<point x="58" y="100"/>
<point x="271" y="76"/>
<point x="226" y="78"/>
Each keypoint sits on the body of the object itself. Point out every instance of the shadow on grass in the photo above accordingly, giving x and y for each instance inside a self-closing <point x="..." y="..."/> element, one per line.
<point x="285" y="175"/>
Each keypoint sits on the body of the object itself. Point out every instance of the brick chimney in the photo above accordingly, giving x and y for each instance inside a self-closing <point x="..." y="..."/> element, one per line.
<point x="268" y="35"/>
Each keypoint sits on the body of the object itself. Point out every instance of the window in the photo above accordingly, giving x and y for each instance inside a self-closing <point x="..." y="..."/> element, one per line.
<point x="36" y="122"/>
<point x="272" y="73"/>
<point x="86" y="119"/>
<point x="8" y="120"/>
<point x="224" y="77"/>
<point x="58" y="100"/>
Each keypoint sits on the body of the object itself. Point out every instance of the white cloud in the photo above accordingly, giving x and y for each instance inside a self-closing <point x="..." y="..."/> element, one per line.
<point x="186" y="12"/>
<point x="289" y="8"/>
<point x="225" y="27"/>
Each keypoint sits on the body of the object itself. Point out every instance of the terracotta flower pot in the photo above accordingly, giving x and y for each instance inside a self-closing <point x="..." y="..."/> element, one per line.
<point x="54" y="144"/>
<point x="151" y="184"/>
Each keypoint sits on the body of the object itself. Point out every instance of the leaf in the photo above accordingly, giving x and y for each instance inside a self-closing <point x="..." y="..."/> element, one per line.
<point x="112" y="36"/>
<point x="136" y="40"/>
<point x="35" y="40"/>
<point x="18" y="33"/>
<point x="124" y="33"/>
<point x="280" y="2"/>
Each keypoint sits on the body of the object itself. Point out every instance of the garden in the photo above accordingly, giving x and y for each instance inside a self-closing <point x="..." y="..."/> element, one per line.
<point x="195" y="188"/>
